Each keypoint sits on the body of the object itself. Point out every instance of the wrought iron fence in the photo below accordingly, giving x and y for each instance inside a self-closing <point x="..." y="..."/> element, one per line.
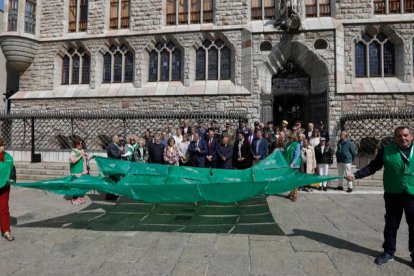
<point x="54" y="131"/>
<point x="371" y="130"/>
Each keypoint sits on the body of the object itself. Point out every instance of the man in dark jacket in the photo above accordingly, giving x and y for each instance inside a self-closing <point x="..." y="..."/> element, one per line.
<point x="345" y="155"/>
<point x="198" y="151"/>
<point x="115" y="151"/>
<point x="242" y="155"/>
<point x="114" y="148"/>
<point x="397" y="159"/>
<point x="156" y="151"/>
<point x="212" y="146"/>
<point x="323" y="155"/>
<point x="225" y="154"/>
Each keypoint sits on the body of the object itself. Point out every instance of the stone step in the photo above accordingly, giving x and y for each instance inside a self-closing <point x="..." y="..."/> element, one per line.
<point x="47" y="165"/>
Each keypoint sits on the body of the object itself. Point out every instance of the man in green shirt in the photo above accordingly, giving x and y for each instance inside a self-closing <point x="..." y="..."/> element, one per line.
<point x="398" y="180"/>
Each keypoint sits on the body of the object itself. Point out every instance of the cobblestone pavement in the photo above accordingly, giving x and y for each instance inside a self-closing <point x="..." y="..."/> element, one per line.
<point x="321" y="234"/>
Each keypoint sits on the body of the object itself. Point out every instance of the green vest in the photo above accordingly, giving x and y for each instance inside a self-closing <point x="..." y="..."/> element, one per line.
<point x="131" y="149"/>
<point x="398" y="176"/>
<point x="5" y="169"/>
<point x="290" y="153"/>
<point x="76" y="168"/>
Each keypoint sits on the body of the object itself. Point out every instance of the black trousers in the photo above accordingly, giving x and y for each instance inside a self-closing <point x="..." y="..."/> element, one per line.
<point x="395" y="204"/>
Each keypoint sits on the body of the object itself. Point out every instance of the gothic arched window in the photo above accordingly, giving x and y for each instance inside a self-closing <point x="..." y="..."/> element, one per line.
<point x="213" y="61"/>
<point x="374" y="56"/>
<point x="118" y="65"/>
<point x="76" y="67"/>
<point x="165" y="63"/>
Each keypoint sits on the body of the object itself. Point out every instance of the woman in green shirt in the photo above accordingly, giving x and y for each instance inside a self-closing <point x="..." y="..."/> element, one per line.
<point x="79" y="165"/>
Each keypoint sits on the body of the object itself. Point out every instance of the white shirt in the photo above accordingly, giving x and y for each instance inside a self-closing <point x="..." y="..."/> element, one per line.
<point x="178" y="139"/>
<point x="314" y="141"/>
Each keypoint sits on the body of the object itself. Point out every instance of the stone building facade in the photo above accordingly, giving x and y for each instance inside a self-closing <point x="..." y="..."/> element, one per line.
<point x="348" y="55"/>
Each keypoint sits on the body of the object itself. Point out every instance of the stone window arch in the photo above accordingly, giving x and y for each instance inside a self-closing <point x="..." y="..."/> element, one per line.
<point x="76" y="67"/>
<point x="263" y="9"/>
<point x="189" y="12"/>
<point x="118" y="65"/>
<point x="165" y="63"/>
<point x="78" y="15"/>
<point x="213" y="61"/>
<point x="374" y="56"/>
<point x="119" y="14"/>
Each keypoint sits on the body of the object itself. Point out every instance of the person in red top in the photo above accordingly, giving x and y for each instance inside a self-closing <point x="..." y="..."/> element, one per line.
<point x="7" y="173"/>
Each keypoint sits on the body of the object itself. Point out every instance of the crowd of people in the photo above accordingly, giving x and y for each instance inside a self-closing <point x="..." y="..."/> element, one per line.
<point x="304" y="149"/>
<point x="211" y="147"/>
<point x="232" y="147"/>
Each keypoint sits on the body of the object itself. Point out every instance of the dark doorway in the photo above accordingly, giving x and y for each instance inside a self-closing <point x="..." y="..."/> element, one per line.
<point x="291" y="108"/>
<point x="291" y="90"/>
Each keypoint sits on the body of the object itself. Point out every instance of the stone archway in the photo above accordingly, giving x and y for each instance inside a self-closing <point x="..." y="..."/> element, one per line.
<point x="310" y="63"/>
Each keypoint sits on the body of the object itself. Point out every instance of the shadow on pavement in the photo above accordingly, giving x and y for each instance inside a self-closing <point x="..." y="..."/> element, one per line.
<point x="248" y="217"/>
<point x="341" y="244"/>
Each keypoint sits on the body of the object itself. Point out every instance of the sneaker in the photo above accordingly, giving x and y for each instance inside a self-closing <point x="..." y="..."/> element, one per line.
<point x="81" y="200"/>
<point x="383" y="258"/>
<point x="340" y="188"/>
<point x="325" y="189"/>
<point x="349" y="190"/>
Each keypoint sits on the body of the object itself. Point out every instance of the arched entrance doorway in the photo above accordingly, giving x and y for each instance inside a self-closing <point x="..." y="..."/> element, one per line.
<point x="291" y="90"/>
<point x="295" y="83"/>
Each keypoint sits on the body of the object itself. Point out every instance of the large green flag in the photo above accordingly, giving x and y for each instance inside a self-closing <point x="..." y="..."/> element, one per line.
<point x="173" y="184"/>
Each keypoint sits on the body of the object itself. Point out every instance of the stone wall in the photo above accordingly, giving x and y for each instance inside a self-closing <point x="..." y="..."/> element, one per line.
<point x="98" y="16"/>
<point x="147" y="15"/>
<point x="354" y="9"/>
<point x="54" y="18"/>
<point x="231" y="12"/>
<point x="45" y="73"/>
<point x="151" y="104"/>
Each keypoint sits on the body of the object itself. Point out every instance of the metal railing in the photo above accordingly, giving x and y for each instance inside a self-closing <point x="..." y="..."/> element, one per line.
<point x="371" y="130"/>
<point x="54" y="131"/>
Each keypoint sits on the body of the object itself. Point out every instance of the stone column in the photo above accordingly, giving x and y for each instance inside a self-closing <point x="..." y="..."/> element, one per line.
<point x="267" y="107"/>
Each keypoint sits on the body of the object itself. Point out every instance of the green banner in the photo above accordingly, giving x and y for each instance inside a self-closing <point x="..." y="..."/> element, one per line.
<point x="173" y="184"/>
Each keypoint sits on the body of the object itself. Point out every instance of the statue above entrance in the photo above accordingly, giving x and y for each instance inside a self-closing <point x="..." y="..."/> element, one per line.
<point x="288" y="20"/>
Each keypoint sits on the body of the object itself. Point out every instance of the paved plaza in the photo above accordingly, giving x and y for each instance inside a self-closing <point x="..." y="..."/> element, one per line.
<point x="324" y="233"/>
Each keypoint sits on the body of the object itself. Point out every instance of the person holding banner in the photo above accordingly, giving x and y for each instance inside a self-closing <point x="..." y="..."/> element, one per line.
<point x="7" y="174"/>
<point x="397" y="158"/>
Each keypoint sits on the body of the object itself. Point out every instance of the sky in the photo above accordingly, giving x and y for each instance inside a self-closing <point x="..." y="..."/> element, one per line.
<point x="2" y="5"/>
